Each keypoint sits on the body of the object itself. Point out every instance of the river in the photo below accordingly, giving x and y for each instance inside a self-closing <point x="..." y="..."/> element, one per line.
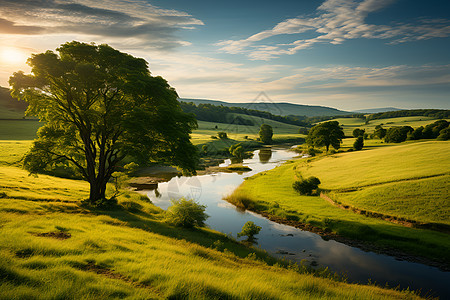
<point x="295" y="244"/>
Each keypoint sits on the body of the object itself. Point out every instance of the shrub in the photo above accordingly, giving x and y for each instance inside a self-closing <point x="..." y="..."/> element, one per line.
<point x="214" y="137"/>
<point x="359" y="143"/>
<point x="249" y="229"/>
<point x="186" y="213"/>
<point x="306" y="186"/>
<point x="222" y="135"/>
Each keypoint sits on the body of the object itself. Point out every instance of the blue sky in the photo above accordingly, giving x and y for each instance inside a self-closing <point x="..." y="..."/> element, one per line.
<point x="347" y="54"/>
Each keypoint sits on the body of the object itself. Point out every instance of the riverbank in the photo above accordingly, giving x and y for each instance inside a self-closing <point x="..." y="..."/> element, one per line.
<point x="271" y="194"/>
<point x="52" y="246"/>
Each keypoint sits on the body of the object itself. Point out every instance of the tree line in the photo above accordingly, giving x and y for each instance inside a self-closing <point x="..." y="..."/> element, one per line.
<point x="223" y="114"/>
<point x="433" y="113"/>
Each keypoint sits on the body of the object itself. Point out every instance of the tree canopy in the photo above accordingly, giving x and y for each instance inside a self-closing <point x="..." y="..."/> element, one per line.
<point x="266" y="133"/>
<point x="326" y="134"/>
<point x="101" y="106"/>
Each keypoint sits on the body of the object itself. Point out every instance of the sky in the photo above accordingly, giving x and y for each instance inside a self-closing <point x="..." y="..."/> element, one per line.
<point x="346" y="54"/>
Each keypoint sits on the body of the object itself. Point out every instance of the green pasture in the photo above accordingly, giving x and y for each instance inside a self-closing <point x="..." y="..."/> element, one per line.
<point x="350" y="124"/>
<point x="392" y="180"/>
<point x="54" y="247"/>
<point x="19" y="129"/>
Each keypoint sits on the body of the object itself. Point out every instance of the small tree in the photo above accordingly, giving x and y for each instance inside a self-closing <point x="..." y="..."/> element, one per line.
<point x="237" y="150"/>
<point x="358" y="132"/>
<point x="186" y="213"/>
<point x="359" y="143"/>
<point x="379" y="132"/>
<point x="222" y="135"/>
<point x="266" y="133"/>
<point x="249" y="229"/>
<point x="326" y="134"/>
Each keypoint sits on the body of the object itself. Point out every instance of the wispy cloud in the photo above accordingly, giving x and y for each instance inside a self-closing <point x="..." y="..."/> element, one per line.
<point x="148" y="25"/>
<point x="335" y="22"/>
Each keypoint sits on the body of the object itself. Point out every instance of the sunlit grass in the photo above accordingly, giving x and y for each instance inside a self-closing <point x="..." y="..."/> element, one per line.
<point x="272" y="192"/>
<point x="129" y="252"/>
<point x="349" y="124"/>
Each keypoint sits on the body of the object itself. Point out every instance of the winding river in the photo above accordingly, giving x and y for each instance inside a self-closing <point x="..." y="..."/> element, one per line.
<point x="292" y="243"/>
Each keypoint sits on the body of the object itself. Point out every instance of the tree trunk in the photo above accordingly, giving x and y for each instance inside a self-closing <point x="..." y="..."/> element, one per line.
<point x="97" y="191"/>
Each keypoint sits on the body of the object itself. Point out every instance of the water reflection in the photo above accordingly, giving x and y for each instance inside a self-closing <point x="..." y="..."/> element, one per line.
<point x="292" y="243"/>
<point x="264" y="155"/>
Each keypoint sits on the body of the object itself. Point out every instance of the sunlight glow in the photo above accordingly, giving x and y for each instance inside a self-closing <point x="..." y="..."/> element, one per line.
<point x="12" y="56"/>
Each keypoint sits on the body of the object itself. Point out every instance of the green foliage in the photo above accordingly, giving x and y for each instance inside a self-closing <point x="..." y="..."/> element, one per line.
<point x="306" y="186"/>
<point x="359" y="143"/>
<point x="99" y="106"/>
<point x="397" y="134"/>
<point x="432" y="131"/>
<point x="303" y="130"/>
<point x="222" y="135"/>
<point x="435" y="113"/>
<point x="249" y="230"/>
<point x="416" y="134"/>
<point x="237" y="150"/>
<point x="235" y="115"/>
<point x="379" y="132"/>
<point x="444" y="134"/>
<point x="266" y="133"/>
<point x="186" y="213"/>
<point x="358" y="132"/>
<point x="326" y="134"/>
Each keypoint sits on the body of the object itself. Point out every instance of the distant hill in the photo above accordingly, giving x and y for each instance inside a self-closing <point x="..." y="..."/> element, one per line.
<point x="280" y="109"/>
<point x="376" y="110"/>
<point x="10" y="108"/>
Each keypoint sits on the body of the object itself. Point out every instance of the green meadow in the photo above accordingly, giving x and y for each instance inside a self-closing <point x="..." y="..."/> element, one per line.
<point x="350" y="124"/>
<point x="405" y="181"/>
<point x="52" y="246"/>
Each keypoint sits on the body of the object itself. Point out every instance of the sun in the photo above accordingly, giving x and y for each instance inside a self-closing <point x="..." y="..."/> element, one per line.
<point x="12" y="56"/>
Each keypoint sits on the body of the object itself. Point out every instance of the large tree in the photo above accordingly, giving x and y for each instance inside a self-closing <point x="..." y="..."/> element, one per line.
<point x="326" y="134"/>
<point x="99" y="107"/>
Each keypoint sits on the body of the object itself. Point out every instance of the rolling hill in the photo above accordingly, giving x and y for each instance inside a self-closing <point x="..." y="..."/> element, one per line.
<point x="281" y="109"/>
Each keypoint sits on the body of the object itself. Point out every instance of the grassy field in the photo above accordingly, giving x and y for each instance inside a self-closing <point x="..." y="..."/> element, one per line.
<point x="391" y="180"/>
<point x="18" y="129"/>
<point x="53" y="247"/>
<point x="349" y="124"/>
<point x="237" y="132"/>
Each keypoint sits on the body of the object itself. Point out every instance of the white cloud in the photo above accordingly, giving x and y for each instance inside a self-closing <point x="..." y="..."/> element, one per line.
<point x="336" y="22"/>
<point x="119" y="19"/>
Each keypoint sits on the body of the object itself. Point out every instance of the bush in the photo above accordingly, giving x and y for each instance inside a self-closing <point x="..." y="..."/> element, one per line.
<point x="186" y="213"/>
<point x="222" y="135"/>
<point x="249" y="229"/>
<point x="306" y="187"/>
<point x="359" y="143"/>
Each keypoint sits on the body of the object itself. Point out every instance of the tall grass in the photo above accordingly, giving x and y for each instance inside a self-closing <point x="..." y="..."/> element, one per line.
<point x="128" y="252"/>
